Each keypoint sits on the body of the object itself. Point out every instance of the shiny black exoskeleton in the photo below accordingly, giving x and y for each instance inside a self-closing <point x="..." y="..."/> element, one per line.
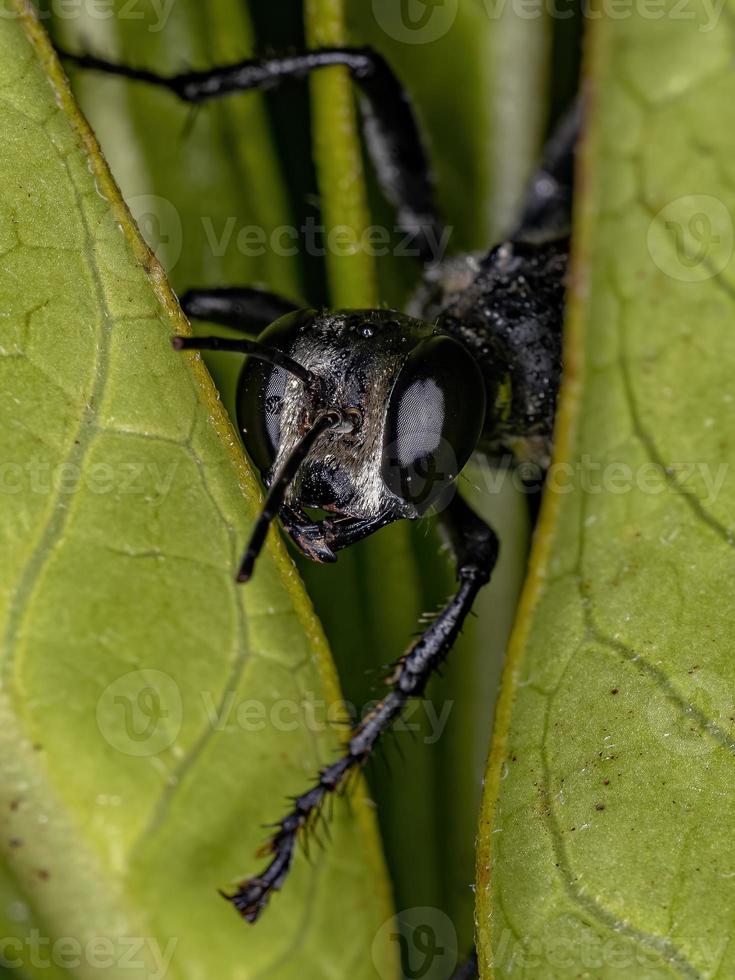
<point x="415" y="402"/>
<point x="357" y="418"/>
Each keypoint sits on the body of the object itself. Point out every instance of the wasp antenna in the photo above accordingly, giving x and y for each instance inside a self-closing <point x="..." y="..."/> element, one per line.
<point x="242" y="345"/>
<point x="92" y="62"/>
<point x="327" y="419"/>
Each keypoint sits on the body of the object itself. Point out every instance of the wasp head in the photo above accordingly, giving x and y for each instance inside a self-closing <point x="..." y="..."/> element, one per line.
<point x="407" y="404"/>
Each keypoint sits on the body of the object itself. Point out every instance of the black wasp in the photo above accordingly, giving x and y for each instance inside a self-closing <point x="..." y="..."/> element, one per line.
<point x="369" y="415"/>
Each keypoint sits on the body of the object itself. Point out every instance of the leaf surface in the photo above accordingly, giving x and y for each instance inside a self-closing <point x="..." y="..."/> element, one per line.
<point x="606" y="844"/>
<point x="152" y="712"/>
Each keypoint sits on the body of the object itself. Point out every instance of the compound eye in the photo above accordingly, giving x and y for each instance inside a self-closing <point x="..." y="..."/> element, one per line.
<point x="261" y="389"/>
<point x="435" y="416"/>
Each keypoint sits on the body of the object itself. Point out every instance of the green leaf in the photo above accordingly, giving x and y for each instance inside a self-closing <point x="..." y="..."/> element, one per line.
<point x="606" y="844"/>
<point x="151" y="711"/>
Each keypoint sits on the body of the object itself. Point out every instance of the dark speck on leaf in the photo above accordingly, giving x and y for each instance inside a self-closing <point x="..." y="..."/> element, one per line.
<point x="615" y="690"/>
<point x="43" y="874"/>
<point x="599" y="806"/>
<point x="605" y="782"/>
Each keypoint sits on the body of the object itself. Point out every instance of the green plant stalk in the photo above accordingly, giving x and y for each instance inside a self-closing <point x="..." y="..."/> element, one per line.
<point x="352" y="277"/>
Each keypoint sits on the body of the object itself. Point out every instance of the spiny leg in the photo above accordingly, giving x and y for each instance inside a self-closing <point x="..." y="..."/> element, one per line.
<point x="475" y="547"/>
<point x="392" y="133"/>
<point x="242" y="307"/>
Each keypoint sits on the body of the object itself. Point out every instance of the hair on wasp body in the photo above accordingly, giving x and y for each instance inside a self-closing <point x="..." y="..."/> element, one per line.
<point x="360" y="418"/>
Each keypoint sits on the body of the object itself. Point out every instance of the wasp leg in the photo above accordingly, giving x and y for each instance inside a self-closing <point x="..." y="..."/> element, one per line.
<point x="547" y="206"/>
<point x="475" y="547"/>
<point x="392" y="133"/>
<point x="242" y="307"/>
